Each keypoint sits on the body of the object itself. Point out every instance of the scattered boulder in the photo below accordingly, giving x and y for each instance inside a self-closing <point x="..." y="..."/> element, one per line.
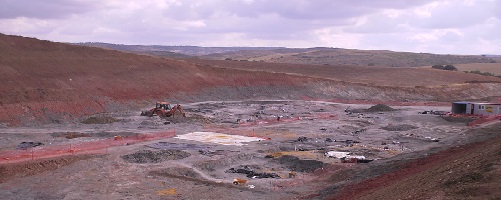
<point x="252" y="174"/>
<point x="176" y="172"/>
<point x="27" y="145"/>
<point x="70" y="135"/>
<point x="400" y="127"/>
<point x="147" y="156"/>
<point x="302" y="139"/>
<point x="298" y="165"/>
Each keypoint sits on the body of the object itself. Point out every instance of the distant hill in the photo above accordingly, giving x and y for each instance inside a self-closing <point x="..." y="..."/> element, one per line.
<point x="316" y="56"/>
<point x="351" y="57"/>
<point x="491" y="56"/>
<point x="172" y="51"/>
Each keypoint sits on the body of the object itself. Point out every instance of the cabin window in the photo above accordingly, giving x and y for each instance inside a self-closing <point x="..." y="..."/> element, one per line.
<point x="481" y="107"/>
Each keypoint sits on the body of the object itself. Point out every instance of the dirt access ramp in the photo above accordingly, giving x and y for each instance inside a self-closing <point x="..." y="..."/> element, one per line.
<point x="470" y="171"/>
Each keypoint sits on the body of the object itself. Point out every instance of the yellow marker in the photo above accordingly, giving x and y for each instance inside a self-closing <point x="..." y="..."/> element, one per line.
<point x="171" y="191"/>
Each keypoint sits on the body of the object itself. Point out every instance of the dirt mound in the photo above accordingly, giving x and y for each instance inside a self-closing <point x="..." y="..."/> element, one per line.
<point x="380" y="108"/>
<point x="465" y="120"/>
<point x="100" y="120"/>
<point x="251" y="173"/>
<point x="71" y="135"/>
<point x="399" y="127"/>
<point x="147" y="156"/>
<point x="298" y="165"/>
<point x="213" y="165"/>
<point x="190" y="118"/>
<point x="176" y="172"/>
<point x="27" y="145"/>
<point x="29" y="168"/>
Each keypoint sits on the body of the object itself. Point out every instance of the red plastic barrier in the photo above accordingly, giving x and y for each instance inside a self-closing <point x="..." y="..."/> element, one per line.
<point x="99" y="146"/>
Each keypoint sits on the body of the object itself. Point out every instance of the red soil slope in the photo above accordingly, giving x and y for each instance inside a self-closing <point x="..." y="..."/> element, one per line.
<point x="381" y="76"/>
<point x="47" y="82"/>
<point x="471" y="171"/>
<point x="42" y="79"/>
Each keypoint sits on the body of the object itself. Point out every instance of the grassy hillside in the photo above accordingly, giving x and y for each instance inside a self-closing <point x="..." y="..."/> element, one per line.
<point x="316" y="56"/>
<point x="335" y="56"/>
<point x="494" y="68"/>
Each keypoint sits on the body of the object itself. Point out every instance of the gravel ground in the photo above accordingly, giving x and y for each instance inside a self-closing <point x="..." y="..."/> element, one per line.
<point x="297" y="134"/>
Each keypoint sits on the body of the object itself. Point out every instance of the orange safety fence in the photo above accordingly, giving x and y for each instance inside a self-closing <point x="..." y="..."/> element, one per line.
<point x="98" y="146"/>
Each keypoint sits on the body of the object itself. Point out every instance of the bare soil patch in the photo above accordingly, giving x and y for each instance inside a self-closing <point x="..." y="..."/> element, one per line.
<point x="176" y="172"/>
<point x="299" y="165"/>
<point x="100" y="120"/>
<point x="399" y="127"/>
<point x="29" y="168"/>
<point x="147" y="156"/>
<point x="494" y="68"/>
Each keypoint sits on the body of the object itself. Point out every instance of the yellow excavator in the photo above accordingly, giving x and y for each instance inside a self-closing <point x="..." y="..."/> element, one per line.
<point x="163" y="109"/>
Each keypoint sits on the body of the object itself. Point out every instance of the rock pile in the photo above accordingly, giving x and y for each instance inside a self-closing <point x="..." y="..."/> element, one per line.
<point x="298" y="165"/>
<point x="400" y="127"/>
<point x="147" y="156"/>
<point x="380" y="108"/>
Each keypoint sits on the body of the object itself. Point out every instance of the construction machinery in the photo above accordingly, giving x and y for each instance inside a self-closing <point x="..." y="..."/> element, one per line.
<point x="163" y="109"/>
<point x="239" y="181"/>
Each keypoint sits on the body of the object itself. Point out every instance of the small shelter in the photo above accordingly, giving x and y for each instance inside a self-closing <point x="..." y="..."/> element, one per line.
<point x="476" y="108"/>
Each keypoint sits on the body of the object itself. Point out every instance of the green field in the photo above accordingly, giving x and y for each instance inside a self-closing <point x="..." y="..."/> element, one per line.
<point x="494" y="68"/>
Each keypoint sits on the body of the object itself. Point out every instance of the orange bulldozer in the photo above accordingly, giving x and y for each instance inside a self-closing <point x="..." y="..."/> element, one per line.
<point x="163" y="109"/>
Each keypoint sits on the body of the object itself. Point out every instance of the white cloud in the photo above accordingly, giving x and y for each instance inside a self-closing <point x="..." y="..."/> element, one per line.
<point x="434" y="35"/>
<point x="335" y="37"/>
<point x="437" y="26"/>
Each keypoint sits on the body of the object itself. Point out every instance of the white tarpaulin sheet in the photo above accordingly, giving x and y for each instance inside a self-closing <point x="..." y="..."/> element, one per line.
<point x="342" y="154"/>
<point x="218" y="138"/>
<point x="337" y="154"/>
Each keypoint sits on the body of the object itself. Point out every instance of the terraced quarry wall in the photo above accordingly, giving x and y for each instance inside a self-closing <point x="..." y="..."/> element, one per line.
<point x="47" y="82"/>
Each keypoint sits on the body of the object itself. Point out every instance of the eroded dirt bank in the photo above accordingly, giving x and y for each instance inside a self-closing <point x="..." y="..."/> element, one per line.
<point x="469" y="170"/>
<point x="46" y="82"/>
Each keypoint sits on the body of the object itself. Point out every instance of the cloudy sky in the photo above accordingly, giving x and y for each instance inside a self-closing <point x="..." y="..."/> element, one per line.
<point x="434" y="26"/>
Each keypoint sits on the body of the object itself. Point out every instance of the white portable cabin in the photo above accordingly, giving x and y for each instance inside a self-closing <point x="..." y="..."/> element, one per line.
<point x="475" y="108"/>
